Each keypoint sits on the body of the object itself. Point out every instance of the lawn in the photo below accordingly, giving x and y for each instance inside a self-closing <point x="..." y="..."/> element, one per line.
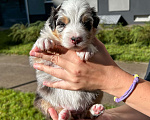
<point x="15" y="105"/>
<point x="7" y="46"/>
<point x="131" y="52"/>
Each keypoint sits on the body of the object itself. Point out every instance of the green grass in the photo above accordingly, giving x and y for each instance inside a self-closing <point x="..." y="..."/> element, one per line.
<point x="15" y="105"/>
<point x="21" y="49"/>
<point x="131" y="52"/>
<point x="4" y="39"/>
<point x="7" y="46"/>
<point x="109" y="106"/>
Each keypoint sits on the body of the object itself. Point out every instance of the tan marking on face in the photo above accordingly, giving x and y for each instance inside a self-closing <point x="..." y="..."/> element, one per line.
<point x="65" y="20"/>
<point x="56" y="34"/>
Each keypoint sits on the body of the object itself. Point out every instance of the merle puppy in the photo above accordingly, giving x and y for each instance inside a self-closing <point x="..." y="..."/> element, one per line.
<point x="73" y="25"/>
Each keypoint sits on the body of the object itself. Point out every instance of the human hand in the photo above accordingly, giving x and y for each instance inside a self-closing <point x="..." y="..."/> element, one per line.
<point x="82" y="75"/>
<point x="100" y="72"/>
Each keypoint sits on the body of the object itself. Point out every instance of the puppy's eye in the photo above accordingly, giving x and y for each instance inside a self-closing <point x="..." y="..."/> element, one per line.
<point x="61" y="24"/>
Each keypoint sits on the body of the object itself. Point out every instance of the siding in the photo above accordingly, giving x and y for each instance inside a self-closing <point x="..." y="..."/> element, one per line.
<point x="137" y="7"/>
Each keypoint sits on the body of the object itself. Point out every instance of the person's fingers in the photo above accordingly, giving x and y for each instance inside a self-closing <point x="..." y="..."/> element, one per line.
<point x="62" y="85"/>
<point x="57" y="72"/>
<point x="53" y="113"/>
<point x="56" y="59"/>
<point x="35" y="49"/>
<point x="56" y="49"/>
<point x="40" y="54"/>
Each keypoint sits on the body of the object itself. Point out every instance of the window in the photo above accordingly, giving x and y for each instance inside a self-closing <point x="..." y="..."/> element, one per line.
<point x="118" y="5"/>
<point x="141" y="18"/>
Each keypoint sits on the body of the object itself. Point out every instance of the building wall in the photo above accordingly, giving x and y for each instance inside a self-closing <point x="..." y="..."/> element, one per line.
<point x="39" y="10"/>
<point x="12" y="12"/>
<point x="36" y="7"/>
<point x="136" y="7"/>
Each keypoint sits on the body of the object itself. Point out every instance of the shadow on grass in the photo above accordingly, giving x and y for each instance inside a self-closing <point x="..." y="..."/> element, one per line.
<point x="115" y="56"/>
<point x="9" y="46"/>
<point x="6" y="41"/>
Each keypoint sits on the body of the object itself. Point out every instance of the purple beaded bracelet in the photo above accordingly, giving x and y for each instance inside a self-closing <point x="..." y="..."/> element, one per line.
<point x="128" y="92"/>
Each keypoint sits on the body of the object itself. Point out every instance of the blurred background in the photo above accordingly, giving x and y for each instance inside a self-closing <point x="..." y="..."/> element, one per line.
<point x="26" y="11"/>
<point x="110" y="11"/>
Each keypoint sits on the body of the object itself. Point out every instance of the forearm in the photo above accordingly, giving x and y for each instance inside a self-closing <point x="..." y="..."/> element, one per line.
<point x="126" y="113"/>
<point x="139" y="99"/>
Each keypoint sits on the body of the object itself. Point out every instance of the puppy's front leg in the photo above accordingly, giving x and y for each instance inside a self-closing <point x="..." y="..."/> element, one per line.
<point x="43" y="44"/>
<point x="87" y="52"/>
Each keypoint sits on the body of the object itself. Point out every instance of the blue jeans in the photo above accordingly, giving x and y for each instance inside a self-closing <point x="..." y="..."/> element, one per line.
<point x="147" y="76"/>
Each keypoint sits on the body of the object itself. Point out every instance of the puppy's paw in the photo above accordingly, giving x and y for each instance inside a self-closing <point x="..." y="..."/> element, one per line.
<point x="44" y="44"/>
<point x="85" y="55"/>
<point x="87" y="52"/>
<point x="64" y="115"/>
<point x="97" y="110"/>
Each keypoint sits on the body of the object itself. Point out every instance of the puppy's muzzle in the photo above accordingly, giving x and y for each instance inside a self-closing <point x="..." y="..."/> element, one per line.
<point x="76" y="40"/>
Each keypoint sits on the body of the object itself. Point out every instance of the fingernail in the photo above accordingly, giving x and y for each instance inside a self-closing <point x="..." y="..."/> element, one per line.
<point x="36" y="66"/>
<point x="32" y="53"/>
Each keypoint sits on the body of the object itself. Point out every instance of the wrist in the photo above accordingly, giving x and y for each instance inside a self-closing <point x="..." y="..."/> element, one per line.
<point x="118" y="81"/>
<point x="129" y="91"/>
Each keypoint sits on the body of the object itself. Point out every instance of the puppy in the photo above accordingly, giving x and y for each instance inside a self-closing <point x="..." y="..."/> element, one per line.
<point x="73" y="25"/>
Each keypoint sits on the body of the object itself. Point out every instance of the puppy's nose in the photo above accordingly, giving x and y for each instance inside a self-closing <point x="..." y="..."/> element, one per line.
<point x="76" y="40"/>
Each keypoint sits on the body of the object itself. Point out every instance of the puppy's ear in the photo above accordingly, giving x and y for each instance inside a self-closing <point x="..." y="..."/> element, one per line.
<point x="95" y="18"/>
<point x="53" y="17"/>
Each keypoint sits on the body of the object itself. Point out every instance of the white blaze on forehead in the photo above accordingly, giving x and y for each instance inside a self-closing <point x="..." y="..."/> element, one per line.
<point x="74" y="9"/>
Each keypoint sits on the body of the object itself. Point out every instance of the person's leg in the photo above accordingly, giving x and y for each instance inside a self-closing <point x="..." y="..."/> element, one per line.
<point x="147" y="76"/>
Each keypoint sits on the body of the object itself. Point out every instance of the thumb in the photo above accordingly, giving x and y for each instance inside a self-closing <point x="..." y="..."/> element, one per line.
<point x="53" y="113"/>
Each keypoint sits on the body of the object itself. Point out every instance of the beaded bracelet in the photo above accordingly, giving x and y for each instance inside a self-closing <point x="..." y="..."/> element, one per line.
<point x="128" y="92"/>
